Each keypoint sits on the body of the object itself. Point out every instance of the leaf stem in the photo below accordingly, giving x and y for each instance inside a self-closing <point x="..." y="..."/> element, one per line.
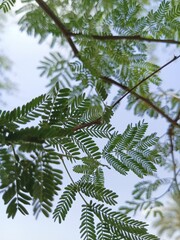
<point x="165" y="192"/>
<point x="88" y="124"/>
<point x="68" y="173"/>
<point x="171" y="134"/>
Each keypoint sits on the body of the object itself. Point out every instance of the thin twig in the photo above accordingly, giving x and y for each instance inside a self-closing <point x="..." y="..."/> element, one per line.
<point x="83" y="125"/>
<point x="145" y="79"/>
<point x="171" y="134"/>
<point x="168" y="189"/>
<point x="73" y="181"/>
<point x="67" y="34"/>
<point x="132" y="38"/>
<point x="165" y="192"/>
<point x="15" y="154"/>
<point x="146" y="100"/>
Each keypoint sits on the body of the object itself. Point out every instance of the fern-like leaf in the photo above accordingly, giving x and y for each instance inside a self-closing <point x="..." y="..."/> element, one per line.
<point x="131" y="151"/>
<point x="87" y="227"/>
<point x="65" y="203"/>
<point x="103" y="231"/>
<point x="98" y="192"/>
<point x="86" y="143"/>
<point x="120" y="225"/>
<point x="6" y="5"/>
<point x="100" y="131"/>
<point x="101" y="90"/>
<point x="116" y="164"/>
<point x="26" y="113"/>
<point x="98" y="177"/>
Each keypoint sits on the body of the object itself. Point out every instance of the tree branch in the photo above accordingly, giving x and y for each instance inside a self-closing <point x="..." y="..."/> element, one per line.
<point x="146" y="100"/>
<point x="59" y="24"/>
<point x="88" y="124"/>
<point x="67" y="34"/>
<point x="145" y="79"/>
<point x="131" y="38"/>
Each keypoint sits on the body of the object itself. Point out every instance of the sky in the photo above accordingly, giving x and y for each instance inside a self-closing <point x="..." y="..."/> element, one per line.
<point x="25" y="52"/>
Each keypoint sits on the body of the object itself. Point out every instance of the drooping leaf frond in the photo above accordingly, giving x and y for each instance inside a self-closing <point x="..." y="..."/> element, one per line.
<point x="103" y="231"/>
<point x="87" y="227"/>
<point x="143" y="196"/>
<point x="47" y="182"/>
<point x="86" y="143"/>
<point x="118" y="225"/>
<point x="65" y="203"/>
<point x="26" y="113"/>
<point x="98" y="177"/>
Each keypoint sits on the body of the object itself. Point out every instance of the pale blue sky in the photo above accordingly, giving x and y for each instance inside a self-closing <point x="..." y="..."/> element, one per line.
<point x="26" y="53"/>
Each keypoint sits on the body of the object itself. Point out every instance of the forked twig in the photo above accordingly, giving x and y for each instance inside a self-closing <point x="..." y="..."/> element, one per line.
<point x="59" y="24"/>
<point x="68" y="34"/>
<point x="145" y="79"/>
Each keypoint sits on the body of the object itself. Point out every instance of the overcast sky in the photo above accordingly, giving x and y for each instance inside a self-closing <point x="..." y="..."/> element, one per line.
<point x="25" y="53"/>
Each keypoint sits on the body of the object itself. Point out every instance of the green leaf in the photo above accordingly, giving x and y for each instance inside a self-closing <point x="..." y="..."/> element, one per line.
<point x="87" y="227"/>
<point x="9" y="194"/>
<point x="98" y="192"/>
<point x="65" y="203"/>
<point x="7" y="4"/>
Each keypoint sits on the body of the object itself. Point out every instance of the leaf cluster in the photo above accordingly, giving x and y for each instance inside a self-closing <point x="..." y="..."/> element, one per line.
<point x="131" y="151"/>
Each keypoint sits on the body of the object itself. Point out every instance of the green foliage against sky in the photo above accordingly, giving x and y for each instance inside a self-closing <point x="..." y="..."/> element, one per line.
<point x="106" y="45"/>
<point x="5" y="64"/>
<point x="171" y="210"/>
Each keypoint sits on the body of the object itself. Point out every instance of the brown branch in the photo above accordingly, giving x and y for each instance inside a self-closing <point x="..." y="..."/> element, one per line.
<point x="83" y="125"/>
<point x="145" y="79"/>
<point x="59" y="24"/>
<point x="67" y="34"/>
<point x="146" y="100"/>
<point x="132" y="38"/>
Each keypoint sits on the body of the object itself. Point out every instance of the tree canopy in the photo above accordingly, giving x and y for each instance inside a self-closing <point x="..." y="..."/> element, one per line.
<point x="107" y="44"/>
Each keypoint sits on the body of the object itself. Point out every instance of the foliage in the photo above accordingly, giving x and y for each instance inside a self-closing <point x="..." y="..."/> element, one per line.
<point x="5" y="64"/>
<point x="6" y="5"/>
<point x="64" y="125"/>
<point x="170" y="210"/>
